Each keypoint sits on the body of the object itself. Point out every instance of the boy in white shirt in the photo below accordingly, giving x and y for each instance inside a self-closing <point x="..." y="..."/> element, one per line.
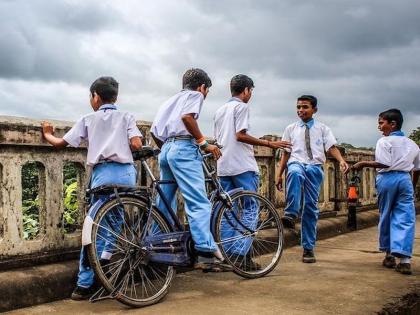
<point x="237" y="167"/>
<point x="175" y="130"/>
<point x="310" y="140"/>
<point x="395" y="157"/>
<point x="111" y="135"/>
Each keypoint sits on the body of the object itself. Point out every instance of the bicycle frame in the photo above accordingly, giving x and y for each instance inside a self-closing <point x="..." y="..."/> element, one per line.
<point x="216" y="194"/>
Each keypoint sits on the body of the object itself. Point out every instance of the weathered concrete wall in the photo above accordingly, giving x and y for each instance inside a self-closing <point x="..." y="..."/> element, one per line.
<point x="21" y="142"/>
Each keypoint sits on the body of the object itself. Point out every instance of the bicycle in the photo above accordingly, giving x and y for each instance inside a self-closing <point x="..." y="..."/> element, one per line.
<point x="134" y="249"/>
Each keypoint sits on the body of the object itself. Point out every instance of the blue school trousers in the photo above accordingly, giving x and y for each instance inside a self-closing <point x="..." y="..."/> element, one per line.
<point x="309" y="178"/>
<point x="397" y="220"/>
<point x="181" y="160"/>
<point x="105" y="174"/>
<point x="249" y="216"/>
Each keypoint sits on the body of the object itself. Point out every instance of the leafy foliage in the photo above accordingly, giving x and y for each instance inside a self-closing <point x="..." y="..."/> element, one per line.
<point x="30" y="200"/>
<point x="71" y="209"/>
<point x="415" y="135"/>
<point x="71" y="213"/>
<point x="31" y="203"/>
<point x="30" y="212"/>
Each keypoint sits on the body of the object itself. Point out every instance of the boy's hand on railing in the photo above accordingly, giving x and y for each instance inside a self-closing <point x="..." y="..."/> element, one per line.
<point x="279" y="144"/>
<point x="213" y="149"/>
<point x="344" y="167"/>
<point x="47" y="128"/>
<point x="48" y="133"/>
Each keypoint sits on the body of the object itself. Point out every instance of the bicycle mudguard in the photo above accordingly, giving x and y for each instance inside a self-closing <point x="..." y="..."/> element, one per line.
<point x="93" y="210"/>
<point x="170" y="248"/>
<point x="88" y="222"/>
<point x="216" y="208"/>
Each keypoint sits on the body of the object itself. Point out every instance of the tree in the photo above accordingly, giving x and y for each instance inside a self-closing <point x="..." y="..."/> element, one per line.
<point x="415" y="135"/>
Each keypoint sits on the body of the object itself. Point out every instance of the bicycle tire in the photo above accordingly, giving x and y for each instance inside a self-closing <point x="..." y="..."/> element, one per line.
<point x="251" y="255"/>
<point x="156" y="278"/>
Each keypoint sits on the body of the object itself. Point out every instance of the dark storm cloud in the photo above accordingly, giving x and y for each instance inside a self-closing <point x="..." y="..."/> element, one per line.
<point x="358" y="57"/>
<point x="44" y="40"/>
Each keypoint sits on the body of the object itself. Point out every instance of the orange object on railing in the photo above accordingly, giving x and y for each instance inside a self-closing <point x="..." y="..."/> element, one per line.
<point x="352" y="193"/>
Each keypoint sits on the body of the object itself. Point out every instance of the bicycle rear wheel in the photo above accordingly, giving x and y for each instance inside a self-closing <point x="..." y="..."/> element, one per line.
<point x="250" y="234"/>
<point x="119" y="262"/>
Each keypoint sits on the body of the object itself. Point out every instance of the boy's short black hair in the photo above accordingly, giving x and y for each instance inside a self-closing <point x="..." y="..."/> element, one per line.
<point x="312" y="99"/>
<point x="106" y="88"/>
<point x="393" y="114"/>
<point x="194" y="78"/>
<point x="239" y="82"/>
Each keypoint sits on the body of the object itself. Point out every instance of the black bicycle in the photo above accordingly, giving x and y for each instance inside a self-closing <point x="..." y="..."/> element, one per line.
<point x="134" y="249"/>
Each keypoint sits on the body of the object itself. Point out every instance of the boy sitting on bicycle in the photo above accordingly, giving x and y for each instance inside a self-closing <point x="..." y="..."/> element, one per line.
<point x="176" y="131"/>
<point x="111" y="135"/>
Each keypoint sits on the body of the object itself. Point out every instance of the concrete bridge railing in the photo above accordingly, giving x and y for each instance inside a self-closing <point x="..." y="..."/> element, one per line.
<point x="21" y="143"/>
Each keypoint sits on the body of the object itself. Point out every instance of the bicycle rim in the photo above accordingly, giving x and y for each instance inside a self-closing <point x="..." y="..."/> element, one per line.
<point x="125" y="273"/>
<point x="250" y="234"/>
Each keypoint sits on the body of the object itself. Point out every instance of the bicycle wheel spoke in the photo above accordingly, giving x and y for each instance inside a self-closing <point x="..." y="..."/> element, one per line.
<point x="106" y="239"/>
<point x="117" y="236"/>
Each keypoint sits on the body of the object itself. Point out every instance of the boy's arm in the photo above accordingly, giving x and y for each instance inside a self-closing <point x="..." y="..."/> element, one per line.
<point x="415" y="178"/>
<point x="47" y="132"/>
<point x="192" y="127"/>
<point x="242" y="136"/>
<point x="362" y="164"/>
<point x="382" y="157"/>
<point x="133" y="133"/>
<point x="282" y="166"/>
<point x="337" y="155"/>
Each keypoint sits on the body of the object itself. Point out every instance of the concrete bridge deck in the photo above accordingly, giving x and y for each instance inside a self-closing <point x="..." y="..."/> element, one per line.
<point x="347" y="279"/>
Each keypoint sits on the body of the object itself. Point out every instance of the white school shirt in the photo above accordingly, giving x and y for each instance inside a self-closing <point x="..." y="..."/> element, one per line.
<point x="322" y="139"/>
<point x="107" y="132"/>
<point x="398" y="152"/>
<point x="168" y="121"/>
<point x="237" y="157"/>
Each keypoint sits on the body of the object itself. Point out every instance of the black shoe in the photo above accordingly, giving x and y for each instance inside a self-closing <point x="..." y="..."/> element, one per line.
<point x="308" y="256"/>
<point x="244" y="262"/>
<point x="404" y="268"/>
<point x="389" y="261"/>
<point x="288" y="222"/>
<point x="81" y="293"/>
<point x="210" y="263"/>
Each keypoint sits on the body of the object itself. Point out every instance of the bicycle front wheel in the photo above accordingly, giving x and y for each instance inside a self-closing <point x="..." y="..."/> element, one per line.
<point x="250" y="234"/>
<point x="119" y="262"/>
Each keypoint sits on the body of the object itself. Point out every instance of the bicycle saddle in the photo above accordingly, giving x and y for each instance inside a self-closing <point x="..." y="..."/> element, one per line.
<point x="145" y="153"/>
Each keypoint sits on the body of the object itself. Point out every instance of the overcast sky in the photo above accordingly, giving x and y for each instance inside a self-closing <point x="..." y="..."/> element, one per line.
<point x="357" y="57"/>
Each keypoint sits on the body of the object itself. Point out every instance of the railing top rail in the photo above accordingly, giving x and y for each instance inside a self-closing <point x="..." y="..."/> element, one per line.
<point x="27" y="131"/>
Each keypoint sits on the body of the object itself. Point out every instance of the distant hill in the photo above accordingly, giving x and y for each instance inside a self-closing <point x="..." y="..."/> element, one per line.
<point x="350" y="146"/>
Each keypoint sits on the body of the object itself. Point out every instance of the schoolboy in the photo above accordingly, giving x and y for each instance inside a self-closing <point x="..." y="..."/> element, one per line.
<point x="395" y="157"/>
<point x="237" y="167"/>
<point x="176" y="131"/>
<point x="310" y="140"/>
<point x="111" y="135"/>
